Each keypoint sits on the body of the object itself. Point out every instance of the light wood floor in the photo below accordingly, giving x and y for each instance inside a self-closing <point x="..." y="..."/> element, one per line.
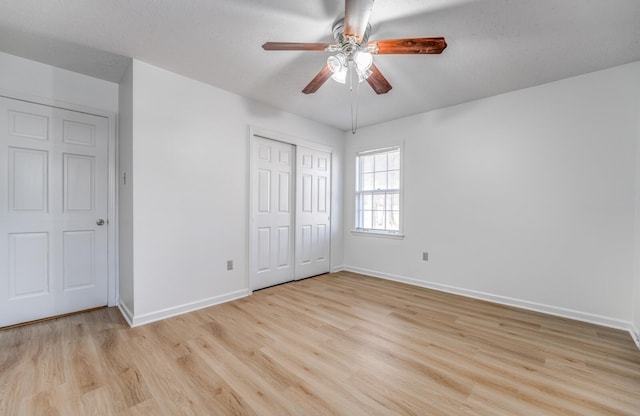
<point x="339" y="344"/>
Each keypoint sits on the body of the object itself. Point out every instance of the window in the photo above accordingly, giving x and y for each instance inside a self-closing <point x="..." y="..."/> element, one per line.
<point x="378" y="191"/>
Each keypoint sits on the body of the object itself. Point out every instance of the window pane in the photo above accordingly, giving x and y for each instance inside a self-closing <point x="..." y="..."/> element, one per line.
<point x="392" y="202"/>
<point x="378" y="220"/>
<point x="367" y="163"/>
<point x="393" y="221"/>
<point x="381" y="162"/>
<point x="366" y="219"/>
<point x="378" y="202"/>
<point x="381" y="180"/>
<point x="394" y="160"/>
<point x="367" y="182"/>
<point x="366" y="202"/>
<point x="378" y="190"/>
<point x="394" y="179"/>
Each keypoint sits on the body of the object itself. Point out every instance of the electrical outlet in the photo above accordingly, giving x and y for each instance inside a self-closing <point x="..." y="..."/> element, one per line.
<point x="229" y="264"/>
<point x="425" y="256"/>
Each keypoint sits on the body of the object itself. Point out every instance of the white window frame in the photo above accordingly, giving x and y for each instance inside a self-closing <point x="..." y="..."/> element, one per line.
<point x="358" y="229"/>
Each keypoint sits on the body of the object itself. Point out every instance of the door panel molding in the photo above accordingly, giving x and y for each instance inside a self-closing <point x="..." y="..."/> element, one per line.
<point x="80" y="134"/>
<point x="271" y="219"/>
<point x="318" y="236"/>
<point x="313" y="212"/>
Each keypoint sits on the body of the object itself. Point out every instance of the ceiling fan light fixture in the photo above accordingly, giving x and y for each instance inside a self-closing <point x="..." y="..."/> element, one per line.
<point x="363" y="60"/>
<point x="360" y="59"/>
<point x="340" y="76"/>
<point x="337" y="63"/>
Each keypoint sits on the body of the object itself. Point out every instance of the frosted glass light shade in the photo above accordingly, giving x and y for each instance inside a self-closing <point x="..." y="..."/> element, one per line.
<point x="363" y="60"/>
<point x="340" y="76"/>
<point x="337" y="63"/>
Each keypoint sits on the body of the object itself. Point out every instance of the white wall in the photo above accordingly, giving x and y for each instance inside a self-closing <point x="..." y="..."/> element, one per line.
<point x="125" y="194"/>
<point x="45" y="81"/>
<point x="525" y="198"/>
<point x="190" y="170"/>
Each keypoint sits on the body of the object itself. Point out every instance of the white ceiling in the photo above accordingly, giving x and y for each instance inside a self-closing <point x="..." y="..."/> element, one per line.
<point x="495" y="46"/>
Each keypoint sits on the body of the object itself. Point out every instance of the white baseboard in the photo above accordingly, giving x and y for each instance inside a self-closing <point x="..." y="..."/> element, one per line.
<point x="503" y="300"/>
<point x="336" y="269"/>
<point x="126" y="313"/>
<point x="635" y="334"/>
<point x="146" y="318"/>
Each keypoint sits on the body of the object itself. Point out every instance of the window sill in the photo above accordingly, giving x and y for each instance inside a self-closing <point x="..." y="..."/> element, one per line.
<point x="379" y="234"/>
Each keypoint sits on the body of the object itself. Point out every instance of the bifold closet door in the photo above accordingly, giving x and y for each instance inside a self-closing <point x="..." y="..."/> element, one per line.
<point x="53" y="211"/>
<point x="272" y="212"/>
<point x="313" y="212"/>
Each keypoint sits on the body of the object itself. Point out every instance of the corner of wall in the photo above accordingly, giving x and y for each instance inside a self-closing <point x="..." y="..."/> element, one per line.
<point x="125" y="195"/>
<point x="635" y="296"/>
<point x="126" y="313"/>
<point x="635" y="335"/>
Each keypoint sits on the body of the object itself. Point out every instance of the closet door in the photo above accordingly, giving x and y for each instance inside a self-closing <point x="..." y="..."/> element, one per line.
<point x="272" y="213"/>
<point x="313" y="212"/>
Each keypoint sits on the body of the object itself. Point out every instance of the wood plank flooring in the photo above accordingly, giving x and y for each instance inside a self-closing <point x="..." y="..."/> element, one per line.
<point x="338" y="344"/>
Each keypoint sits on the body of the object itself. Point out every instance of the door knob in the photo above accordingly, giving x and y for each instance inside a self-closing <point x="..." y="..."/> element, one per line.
<point x="100" y="222"/>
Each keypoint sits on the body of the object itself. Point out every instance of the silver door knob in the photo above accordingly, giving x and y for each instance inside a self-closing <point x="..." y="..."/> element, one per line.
<point x="100" y="222"/>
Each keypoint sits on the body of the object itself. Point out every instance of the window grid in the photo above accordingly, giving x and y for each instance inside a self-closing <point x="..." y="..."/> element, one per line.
<point x="378" y="190"/>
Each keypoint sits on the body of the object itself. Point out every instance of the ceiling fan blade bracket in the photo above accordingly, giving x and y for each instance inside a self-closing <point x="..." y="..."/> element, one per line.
<point x="372" y="47"/>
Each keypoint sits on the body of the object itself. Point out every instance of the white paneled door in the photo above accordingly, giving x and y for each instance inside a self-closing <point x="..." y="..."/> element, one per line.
<point x="313" y="212"/>
<point x="53" y="211"/>
<point x="272" y="212"/>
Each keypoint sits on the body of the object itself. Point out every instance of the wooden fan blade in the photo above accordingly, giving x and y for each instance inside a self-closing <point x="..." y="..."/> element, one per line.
<point x="356" y="17"/>
<point x="294" y="46"/>
<point x="378" y="82"/>
<point x="318" y="80"/>
<point x="410" y="46"/>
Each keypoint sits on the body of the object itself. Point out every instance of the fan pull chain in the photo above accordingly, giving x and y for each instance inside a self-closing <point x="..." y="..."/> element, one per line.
<point x="353" y="79"/>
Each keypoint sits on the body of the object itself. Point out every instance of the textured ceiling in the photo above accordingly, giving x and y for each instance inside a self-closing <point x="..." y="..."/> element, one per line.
<point x="495" y="46"/>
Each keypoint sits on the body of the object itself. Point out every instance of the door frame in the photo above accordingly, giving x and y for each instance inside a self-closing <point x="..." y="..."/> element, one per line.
<point x="255" y="131"/>
<point x="112" y="208"/>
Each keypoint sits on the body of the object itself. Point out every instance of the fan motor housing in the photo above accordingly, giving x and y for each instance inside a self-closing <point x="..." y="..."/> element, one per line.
<point x="341" y="40"/>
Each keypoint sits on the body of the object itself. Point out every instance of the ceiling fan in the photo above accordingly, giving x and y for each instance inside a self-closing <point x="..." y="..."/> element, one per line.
<point x="353" y="61"/>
